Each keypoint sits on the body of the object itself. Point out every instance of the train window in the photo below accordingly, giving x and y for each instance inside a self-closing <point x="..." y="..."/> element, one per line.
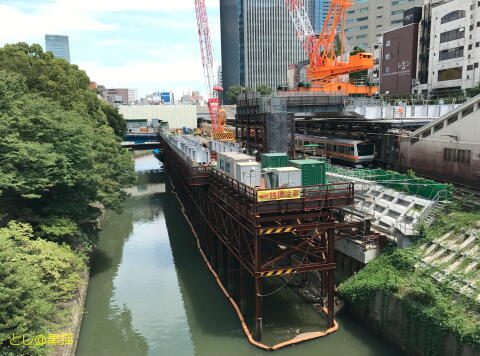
<point x="464" y="156"/>
<point x="365" y="149"/>
<point x="450" y="154"/>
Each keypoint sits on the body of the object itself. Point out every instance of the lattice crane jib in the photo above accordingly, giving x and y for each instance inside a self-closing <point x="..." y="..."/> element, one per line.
<point x="208" y="62"/>
<point x="325" y="66"/>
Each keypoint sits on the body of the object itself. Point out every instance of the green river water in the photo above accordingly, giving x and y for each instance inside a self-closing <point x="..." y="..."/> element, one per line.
<point x="150" y="292"/>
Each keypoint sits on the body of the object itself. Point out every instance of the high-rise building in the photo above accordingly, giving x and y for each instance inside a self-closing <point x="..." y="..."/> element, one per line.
<point x="319" y="12"/>
<point x="58" y="45"/>
<point x="259" y="42"/>
<point x="367" y="20"/>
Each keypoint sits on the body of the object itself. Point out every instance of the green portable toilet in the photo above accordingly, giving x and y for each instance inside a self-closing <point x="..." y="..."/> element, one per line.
<point x="313" y="172"/>
<point x="274" y="160"/>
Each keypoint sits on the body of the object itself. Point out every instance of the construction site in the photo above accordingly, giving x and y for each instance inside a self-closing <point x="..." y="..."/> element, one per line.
<point x="308" y="184"/>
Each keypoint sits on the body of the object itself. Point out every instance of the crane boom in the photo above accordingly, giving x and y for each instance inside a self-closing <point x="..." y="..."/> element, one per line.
<point x="303" y="26"/>
<point x="208" y="62"/>
<point x="324" y="64"/>
<point x="205" y="45"/>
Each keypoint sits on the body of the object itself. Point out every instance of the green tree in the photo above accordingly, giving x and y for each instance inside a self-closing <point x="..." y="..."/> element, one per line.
<point x="264" y="90"/>
<point x="357" y="49"/>
<point x="58" y="159"/>
<point x="235" y="91"/>
<point x="115" y="119"/>
<point x="60" y="81"/>
<point x="35" y="275"/>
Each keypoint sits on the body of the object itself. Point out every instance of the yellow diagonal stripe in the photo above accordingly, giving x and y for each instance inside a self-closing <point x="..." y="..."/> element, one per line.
<point x="278" y="230"/>
<point x="270" y="273"/>
<point x="288" y="271"/>
<point x="288" y="229"/>
<point x="269" y="231"/>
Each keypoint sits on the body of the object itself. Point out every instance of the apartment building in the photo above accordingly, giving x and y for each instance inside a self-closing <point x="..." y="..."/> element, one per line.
<point x="367" y="20"/>
<point x="454" y="46"/>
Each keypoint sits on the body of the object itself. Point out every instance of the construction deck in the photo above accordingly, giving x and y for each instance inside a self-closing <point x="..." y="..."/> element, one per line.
<point x="248" y="234"/>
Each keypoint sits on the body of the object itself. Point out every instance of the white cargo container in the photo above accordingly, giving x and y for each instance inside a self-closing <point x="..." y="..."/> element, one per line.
<point x="248" y="173"/>
<point x="203" y="156"/>
<point x="226" y="161"/>
<point x="287" y="176"/>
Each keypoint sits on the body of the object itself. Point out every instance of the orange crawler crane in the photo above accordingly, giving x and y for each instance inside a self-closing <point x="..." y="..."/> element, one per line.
<point x="325" y="67"/>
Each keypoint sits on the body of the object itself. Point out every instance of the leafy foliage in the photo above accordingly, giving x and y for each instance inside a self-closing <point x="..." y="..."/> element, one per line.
<point x="234" y="91"/>
<point x="60" y="163"/>
<point x="264" y="90"/>
<point x="35" y="276"/>
<point x="59" y="155"/>
<point x="433" y="308"/>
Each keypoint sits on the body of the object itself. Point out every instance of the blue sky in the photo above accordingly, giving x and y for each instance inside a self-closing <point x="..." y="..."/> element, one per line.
<point x="151" y="45"/>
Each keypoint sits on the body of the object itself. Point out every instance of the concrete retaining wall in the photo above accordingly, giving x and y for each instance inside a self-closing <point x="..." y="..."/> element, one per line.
<point x="385" y="315"/>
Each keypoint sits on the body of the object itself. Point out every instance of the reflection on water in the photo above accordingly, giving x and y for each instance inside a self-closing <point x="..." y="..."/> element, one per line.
<point x="151" y="294"/>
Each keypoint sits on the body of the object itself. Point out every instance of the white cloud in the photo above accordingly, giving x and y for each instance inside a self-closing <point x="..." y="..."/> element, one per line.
<point x="126" y="5"/>
<point x="145" y="75"/>
<point x="178" y="65"/>
<point x="16" y="25"/>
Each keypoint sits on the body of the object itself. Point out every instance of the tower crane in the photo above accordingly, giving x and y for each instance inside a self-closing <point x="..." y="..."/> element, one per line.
<point x="217" y="114"/>
<point x="325" y="67"/>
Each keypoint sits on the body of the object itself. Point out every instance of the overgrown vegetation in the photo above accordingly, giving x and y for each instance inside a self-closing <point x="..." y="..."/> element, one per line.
<point x="235" y="91"/>
<point x="434" y="309"/>
<point x="60" y="163"/>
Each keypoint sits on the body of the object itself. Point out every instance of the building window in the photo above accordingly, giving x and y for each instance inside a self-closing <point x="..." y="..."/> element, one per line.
<point x="438" y="127"/>
<point x="467" y="111"/>
<point x="450" y="154"/>
<point x="361" y="37"/>
<point x="388" y="43"/>
<point x="363" y="28"/>
<point x="362" y="19"/>
<point x="470" y="67"/>
<point x="379" y="26"/>
<point x="450" y="74"/>
<point x="452" y="35"/>
<point x="387" y="70"/>
<point x="388" y="56"/>
<point x="454" y="15"/>
<point x="452" y="119"/>
<point x="464" y="156"/>
<point x="350" y="21"/>
<point x="396" y="22"/>
<point x="451" y="53"/>
<point x="397" y="12"/>
<point x="477" y="44"/>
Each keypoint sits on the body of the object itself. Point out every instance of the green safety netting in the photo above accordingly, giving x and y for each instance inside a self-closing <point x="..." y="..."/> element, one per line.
<point x="412" y="185"/>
